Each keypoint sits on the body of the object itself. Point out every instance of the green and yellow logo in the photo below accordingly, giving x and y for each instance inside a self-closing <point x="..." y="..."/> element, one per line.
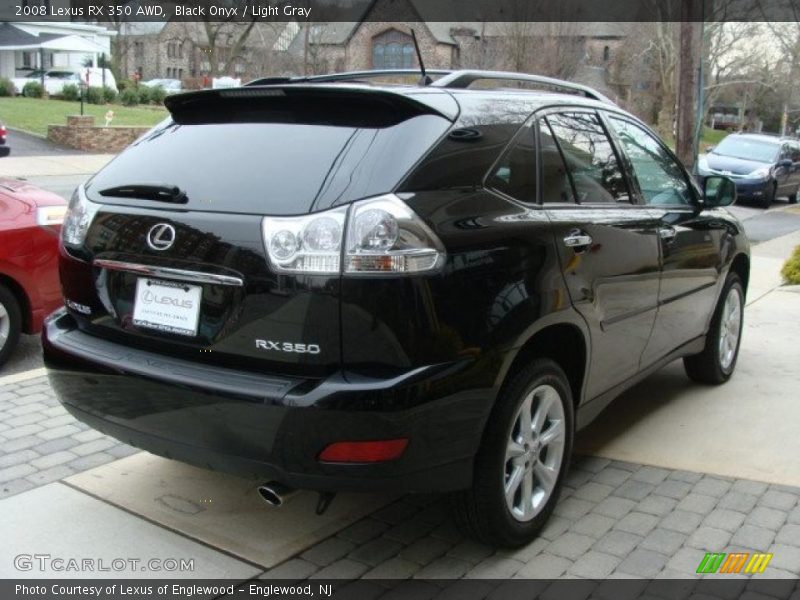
<point x="734" y="562"/>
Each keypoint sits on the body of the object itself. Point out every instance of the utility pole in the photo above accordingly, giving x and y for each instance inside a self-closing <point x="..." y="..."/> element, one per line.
<point x="689" y="61"/>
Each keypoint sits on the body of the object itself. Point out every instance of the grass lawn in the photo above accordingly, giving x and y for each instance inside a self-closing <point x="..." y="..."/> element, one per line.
<point x="35" y="114"/>
<point x="710" y="137"/>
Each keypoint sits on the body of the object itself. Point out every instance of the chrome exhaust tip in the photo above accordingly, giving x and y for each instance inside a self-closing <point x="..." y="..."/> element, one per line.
<point x="274" y="493"/>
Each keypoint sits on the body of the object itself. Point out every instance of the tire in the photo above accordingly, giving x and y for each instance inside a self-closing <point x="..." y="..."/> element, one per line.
<point x="769" y="198"/>
<point x="483" y="511"/>
<point x="793" y="197"/>
<point x="716" y="363"/>
<point x="10" y="323"/>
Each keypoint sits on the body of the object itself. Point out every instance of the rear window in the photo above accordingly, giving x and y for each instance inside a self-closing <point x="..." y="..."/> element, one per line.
<point x="271" y="168"/>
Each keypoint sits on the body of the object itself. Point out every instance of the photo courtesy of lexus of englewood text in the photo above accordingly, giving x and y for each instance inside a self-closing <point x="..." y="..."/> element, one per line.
<point x="399" y="299"/>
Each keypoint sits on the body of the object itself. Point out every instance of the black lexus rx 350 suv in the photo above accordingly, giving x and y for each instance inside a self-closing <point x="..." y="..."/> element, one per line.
<point x="342" y="286"/>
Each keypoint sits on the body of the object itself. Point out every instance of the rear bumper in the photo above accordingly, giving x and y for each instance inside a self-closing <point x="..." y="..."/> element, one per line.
<point x="267" y="426"/>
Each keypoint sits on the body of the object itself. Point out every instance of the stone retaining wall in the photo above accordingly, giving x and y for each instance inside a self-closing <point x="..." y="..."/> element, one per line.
<point x="80" y="133"/>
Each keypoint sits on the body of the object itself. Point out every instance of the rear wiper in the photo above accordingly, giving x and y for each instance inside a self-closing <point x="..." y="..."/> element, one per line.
<point x="162" y="193"/>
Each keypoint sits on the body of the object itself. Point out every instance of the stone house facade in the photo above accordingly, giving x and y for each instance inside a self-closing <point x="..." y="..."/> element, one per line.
<point x="379" y="39"/>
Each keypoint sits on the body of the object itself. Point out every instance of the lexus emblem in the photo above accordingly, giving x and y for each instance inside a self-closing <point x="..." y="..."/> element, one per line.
<point x="161" y="236"/>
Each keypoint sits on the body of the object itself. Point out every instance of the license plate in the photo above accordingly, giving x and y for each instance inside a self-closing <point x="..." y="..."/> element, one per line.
<point x="167" y="306"/>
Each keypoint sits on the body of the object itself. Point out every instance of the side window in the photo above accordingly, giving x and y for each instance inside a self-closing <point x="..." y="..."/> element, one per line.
<point x="555" y="182"/>
<point x="660" y="177"/>
<point x="795" y="147"/>
<point x="515" y="174"/>
<point x="590" y="158"/>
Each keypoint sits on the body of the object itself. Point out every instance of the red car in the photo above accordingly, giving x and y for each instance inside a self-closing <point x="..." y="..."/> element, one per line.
<point x="4" y="150"/>
<point x="30" y="223"/>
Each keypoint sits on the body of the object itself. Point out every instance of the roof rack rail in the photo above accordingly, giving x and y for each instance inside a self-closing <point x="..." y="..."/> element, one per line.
<point x="465" y="78"/>
<point x="448" y="79"/>
<point x="348" y="76"/>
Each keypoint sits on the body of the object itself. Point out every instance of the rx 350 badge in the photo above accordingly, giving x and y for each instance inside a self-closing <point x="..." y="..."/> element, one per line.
<point x="287" y="347"/>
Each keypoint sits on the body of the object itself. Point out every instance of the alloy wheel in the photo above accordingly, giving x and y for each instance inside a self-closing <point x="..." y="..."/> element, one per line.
<point x="534" y="453"/>
<point x="730" y="328"/>
<point x="5" y="325"/>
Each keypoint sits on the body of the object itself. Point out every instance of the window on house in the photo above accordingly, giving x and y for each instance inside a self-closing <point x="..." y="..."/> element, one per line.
<point x="392" y="49"/>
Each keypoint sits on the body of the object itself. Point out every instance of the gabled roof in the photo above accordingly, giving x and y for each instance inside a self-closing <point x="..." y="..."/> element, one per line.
<point x="14" y="38"/>
<point x="352" y="13"/>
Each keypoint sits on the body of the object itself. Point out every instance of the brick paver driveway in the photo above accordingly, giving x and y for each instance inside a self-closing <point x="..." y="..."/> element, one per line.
<point x="40" y="442"/>
<point x="615" y="519"/>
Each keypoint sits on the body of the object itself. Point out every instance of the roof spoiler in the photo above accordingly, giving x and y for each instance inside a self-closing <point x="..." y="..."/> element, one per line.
<point x="313" y="104"/>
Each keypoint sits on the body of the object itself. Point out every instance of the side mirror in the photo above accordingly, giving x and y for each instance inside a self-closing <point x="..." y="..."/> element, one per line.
<point x="710" y="148"/>
<point x="718" y="191"/>
<point x="785" y="162"/>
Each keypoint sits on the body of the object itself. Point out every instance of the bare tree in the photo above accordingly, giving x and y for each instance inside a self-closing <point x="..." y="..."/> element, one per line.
<point x="552" y="48"/>
<point x="787" y="38"/>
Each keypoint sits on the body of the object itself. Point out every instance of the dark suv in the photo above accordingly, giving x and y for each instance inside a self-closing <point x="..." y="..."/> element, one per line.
<point x="341" y="286"/>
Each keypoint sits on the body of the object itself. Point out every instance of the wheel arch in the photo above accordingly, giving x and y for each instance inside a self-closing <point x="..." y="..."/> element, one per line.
<point x="741" y="266"/>
<point x="564" y="342"/>
<point x="22" y="298"/>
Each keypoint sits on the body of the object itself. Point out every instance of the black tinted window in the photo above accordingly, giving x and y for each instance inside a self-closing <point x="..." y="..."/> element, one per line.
<point x="272" y="168"/>
<point x="555" y="181"/>
<point x="661" y="179"/>
<point x="595" y="171"/>
<point x="515" y="174"/>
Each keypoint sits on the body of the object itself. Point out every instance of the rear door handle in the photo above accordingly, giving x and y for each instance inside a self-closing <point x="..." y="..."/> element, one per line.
<point x="667" y="234"/>
<point x="578" y="240"/>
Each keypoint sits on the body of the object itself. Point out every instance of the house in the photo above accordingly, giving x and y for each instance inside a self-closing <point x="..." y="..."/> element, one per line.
<point x="377" y="36"/>
<point x="184" y="50"/>
<point x="26" y="46"/>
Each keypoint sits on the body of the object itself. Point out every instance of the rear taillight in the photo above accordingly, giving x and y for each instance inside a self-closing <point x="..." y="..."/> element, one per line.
<point x="308" y="244"/>
<point x="77" y="219"/>
<point x="376" y="236"/>
<point x="50" y="217"/>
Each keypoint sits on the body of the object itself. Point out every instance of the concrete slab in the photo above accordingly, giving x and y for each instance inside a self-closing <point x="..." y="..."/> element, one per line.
<point x="220" y="510"/>
<point x="747" y="428"/>
<point x="66" y="164"/>
<point x="64" y="523"/>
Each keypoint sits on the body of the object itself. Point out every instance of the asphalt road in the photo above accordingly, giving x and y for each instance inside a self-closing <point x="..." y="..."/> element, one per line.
<point x="24" y="144"/>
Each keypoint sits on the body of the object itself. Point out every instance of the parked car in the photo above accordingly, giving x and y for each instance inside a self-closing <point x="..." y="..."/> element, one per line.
<point x="762" y="166"/>
<point x="4" y="149"/>
<point x="30" y="223"/>
<point x="55" y="79"/>
<point x="396" y="288"/>
<point x="170" y="86"/>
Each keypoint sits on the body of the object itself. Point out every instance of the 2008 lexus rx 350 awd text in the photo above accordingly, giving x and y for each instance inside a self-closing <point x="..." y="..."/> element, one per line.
<point x="391" y="287"/>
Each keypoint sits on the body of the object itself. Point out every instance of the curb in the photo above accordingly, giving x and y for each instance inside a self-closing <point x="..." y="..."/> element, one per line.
<point x="26" y="132"/>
